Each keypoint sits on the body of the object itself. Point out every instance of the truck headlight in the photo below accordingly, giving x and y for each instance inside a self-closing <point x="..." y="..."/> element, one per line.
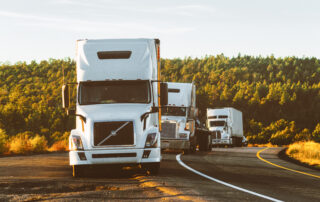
<point x="151" y="140"/>
<point x="76" y="143"/>
<point x="183" y="135"/>
<point x="189" y="125"/>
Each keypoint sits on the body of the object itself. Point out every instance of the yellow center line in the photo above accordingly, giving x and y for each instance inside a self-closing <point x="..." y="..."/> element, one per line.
<point x="297" y="171"/>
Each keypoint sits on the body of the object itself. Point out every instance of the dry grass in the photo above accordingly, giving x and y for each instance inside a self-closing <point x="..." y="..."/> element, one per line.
<point x="306" y="152"/>
<point x="23" y="144"/>
<point x="262" y="145"/>
<point x="20" y="144"/>
<point x="61" y="145"/>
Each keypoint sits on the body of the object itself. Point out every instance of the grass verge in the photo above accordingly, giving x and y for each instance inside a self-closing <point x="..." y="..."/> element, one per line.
<point x="262" y="145"/>
<point x="305" y="152"/>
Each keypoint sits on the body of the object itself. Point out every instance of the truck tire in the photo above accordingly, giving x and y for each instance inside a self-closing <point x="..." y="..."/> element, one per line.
<point x="190" y="150"/>
<point x="186" y="151"/>
<point x="234" y="142"/>
<point x="152" y="168"/>
<point x="77" y="171"/>
<point x="210" y="142"/>
<point x="239" y="142"/>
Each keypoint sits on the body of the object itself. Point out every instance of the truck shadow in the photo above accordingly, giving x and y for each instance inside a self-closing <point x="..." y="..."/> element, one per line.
<point x="113" y="171"/>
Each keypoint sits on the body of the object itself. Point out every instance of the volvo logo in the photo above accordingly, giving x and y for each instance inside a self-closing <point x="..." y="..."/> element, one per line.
<point x="113" y="133"/>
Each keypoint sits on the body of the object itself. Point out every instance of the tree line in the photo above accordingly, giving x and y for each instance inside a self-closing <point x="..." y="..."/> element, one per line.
<point x="279" y="97"/>
<point x="269" y="91"/>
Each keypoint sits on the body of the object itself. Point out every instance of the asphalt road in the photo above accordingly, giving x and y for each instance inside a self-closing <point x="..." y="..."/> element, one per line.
<point x="48" y="177"/>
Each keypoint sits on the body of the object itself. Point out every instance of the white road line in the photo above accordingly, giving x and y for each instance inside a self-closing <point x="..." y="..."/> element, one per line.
<point x="224" y="183"/>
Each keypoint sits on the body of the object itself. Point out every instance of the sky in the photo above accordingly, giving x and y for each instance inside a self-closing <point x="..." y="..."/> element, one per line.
<point x="43" y="29"/>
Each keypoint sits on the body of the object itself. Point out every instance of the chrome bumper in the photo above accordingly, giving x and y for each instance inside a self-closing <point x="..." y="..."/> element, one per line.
<point x="175" y="144"/>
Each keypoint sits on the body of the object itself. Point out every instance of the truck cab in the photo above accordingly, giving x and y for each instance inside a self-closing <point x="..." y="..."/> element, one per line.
<point x="226" y="126"/>
<point x="118" y="107"/>
<point x="218" y="125"/>
<point x="178" y="117"/>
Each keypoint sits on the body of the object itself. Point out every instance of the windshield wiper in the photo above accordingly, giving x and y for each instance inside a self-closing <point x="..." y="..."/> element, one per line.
<point x="113" y="133"/>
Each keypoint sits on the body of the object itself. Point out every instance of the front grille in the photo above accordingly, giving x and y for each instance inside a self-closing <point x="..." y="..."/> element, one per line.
<point x="169" y="130"/>
<point x="216" y="134"/>
<point x="113" y="133"/>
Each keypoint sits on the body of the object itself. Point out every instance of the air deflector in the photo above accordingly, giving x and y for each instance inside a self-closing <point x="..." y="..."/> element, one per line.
<point x="103" y="55"/>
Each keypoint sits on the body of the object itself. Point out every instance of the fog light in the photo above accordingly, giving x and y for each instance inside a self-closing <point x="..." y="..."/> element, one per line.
<point x="146" y="154"/>
<point x="82" y="156"/>
<point x="183" y="135"/>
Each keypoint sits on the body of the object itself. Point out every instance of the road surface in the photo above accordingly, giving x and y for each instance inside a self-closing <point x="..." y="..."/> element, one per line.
<point x="48" y="177"/>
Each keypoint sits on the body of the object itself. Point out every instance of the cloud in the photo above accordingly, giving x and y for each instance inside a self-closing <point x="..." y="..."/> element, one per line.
<point x="89" y="26"/>
<point x="165" y="7"/>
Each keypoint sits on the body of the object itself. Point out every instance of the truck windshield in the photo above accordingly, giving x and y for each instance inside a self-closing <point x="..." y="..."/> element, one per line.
<point x="174" y="111"/>
<point x="107" y="92"/>
<point x="217" y="123"/>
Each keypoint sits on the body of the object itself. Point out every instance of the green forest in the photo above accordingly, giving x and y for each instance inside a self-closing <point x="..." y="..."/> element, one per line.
<point x="279" y="97"/>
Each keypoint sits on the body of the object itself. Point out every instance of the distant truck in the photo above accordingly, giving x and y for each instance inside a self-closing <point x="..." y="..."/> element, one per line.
<point x="226" y="126"/>
<point x="118" y="108"/>
<point x="178" y="118"/>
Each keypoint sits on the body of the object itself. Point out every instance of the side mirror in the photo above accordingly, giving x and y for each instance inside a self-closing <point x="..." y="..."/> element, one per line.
<point x="163" y="93"/>
<point x="65" y="96"/>
<point x="71" y="112"/>
<point x="152" y="110"/>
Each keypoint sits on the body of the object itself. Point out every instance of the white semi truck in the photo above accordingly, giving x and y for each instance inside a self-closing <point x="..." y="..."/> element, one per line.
<point x="178" y="118"/>
<point x="118" y="107"/>
<point x="226" y="126"/>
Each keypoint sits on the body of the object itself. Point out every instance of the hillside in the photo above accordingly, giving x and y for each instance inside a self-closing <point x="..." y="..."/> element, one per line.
<point x="279" y="97"/>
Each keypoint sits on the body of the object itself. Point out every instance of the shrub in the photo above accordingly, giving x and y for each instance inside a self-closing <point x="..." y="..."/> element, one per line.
<point x="39" y="144"/>
<point x="304" y="135"/>
<point x="283" y="132"/>
<point x="65" y="136"/>
<point x="254" y="127"/>
<point x="20" y="144"/>
<point x="61" y="145"/>
<point x="316" y="133"/>
<point x="272" y="133"/>
<point x="282" y="137"/>
<point x="3" y="141"/>
<point x="56" y="136"/>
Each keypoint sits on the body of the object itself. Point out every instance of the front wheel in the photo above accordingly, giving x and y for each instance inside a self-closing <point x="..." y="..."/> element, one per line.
<point x="77" y="171"/>
<point x="190" y="150"/>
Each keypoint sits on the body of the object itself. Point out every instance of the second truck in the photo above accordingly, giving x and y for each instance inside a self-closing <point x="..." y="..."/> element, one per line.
<point x="178" y="118"/>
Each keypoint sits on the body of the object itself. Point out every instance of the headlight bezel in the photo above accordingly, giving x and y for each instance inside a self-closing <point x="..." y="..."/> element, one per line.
<point x="76" y="143"/>
<point x="151" y="140"/>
